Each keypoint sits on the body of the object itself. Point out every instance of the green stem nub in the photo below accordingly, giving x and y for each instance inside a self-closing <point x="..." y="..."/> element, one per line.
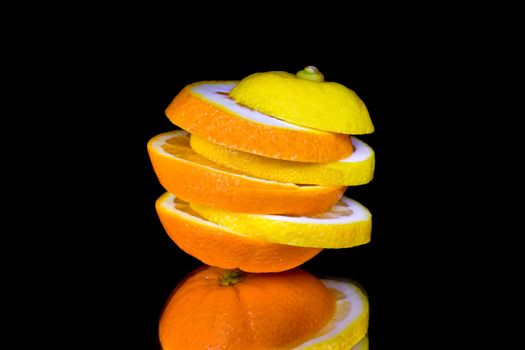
<point x="231" y="277"/>
<point x="310" y="73"/>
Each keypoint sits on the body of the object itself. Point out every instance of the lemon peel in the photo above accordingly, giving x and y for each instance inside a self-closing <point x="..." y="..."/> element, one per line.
<point x="321" y="105"/>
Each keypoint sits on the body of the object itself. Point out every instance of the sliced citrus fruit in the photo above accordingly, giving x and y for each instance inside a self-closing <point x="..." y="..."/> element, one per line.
<point x="347" y="224"/>
<point x="356" y="169"/>
<point x="217" y="246"/>
<point x="195" y="179"/>
<point x="304" y="101"/>
<point x="205" y="109"/>
<point x="349" y="324"/>
<point x="223" y="309"/>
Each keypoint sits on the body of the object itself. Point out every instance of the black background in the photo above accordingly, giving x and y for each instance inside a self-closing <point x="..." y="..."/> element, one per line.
<point x="86" y="89"/>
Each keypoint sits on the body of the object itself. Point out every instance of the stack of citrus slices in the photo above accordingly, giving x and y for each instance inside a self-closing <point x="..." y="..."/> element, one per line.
<point x="255" y="185"/>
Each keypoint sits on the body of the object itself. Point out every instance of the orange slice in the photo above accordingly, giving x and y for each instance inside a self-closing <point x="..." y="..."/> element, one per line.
<point x="206" y="110"/>
<point x="217" y="246"/>
<point x="195" y="179"/>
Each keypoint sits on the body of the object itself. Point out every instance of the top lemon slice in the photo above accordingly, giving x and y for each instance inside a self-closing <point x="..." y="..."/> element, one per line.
<point x="322" y="105"/>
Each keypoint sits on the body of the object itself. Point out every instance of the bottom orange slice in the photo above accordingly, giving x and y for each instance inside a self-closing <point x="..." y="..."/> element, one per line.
<point x="218" y="246"/>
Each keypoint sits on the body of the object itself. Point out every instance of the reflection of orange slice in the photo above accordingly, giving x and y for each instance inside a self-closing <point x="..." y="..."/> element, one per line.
<point x="206" y="110"/>
<point x="195" y="179"/>
<point x="348" y="327"/>
<point x="223" y="309"/>
<point x="217" y="246"/>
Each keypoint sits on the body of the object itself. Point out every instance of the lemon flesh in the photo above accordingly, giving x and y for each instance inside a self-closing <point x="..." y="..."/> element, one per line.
<point x="322" y="105"/>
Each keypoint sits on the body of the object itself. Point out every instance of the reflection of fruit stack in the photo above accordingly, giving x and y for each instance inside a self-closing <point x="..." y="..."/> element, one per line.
<point x="255" y="185"/>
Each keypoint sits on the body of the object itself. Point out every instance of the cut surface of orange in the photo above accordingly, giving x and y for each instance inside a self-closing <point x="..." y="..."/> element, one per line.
<point x="346" y="224"/>
<point x="217" y="246"/>
<point x="219" y="309"/>
<point x="356" y="169"/>
<point x="205" y="109"/>
<point x="195" y="179"/>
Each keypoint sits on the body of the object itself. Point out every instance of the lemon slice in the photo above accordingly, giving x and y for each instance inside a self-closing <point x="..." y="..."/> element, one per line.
<point x="357" y="169"/>
<point x="321" y="105"/>
<point x="347" y="224"/>
<point x="349" y="325"/>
